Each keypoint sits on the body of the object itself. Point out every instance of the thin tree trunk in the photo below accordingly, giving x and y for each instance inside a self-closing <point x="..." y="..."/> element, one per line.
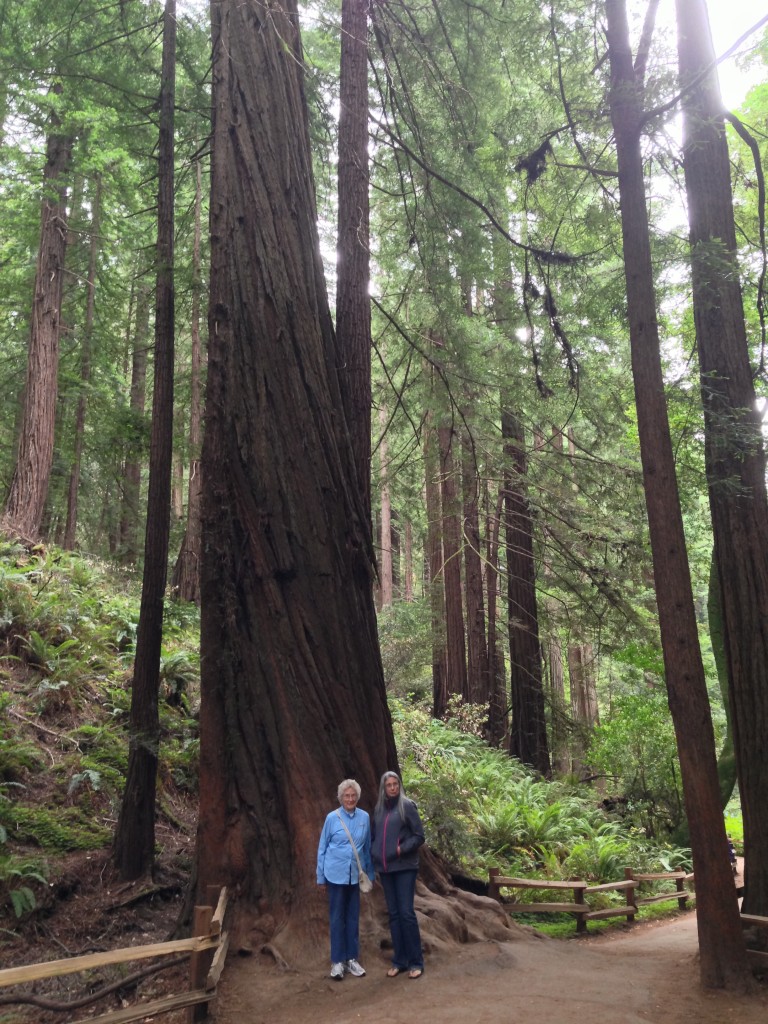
<point x="186" y="573"/>
<point x="735" y="457"/>
<point x="134" y="848"/>
<point x="353" y="302"/>
<point x="477" y="652"/>
<point x="129" y="516"/>
<point x="385" y="556"/>
<point x="497" y="698"/>
<point x="70" y="530"/>
<point x="721" y="942"/>
<point x="408" y="562"/>
<point x="435" y="564"/>
<point x="528" y="734"/>
<point x="560" y="719"/>
<point x="456" y="652"/>
<point x="29" y="484"/>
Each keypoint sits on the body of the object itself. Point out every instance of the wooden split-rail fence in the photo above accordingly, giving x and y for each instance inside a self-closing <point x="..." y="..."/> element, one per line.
<point x="630" y="887"/>
<point x="207" y="950"/>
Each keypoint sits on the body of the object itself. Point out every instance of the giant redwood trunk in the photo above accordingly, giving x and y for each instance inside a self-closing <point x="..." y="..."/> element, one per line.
<point x="721" y="943"/>
<point x="134" y="844"/>
<point x="293" y="696"/>
<point x="528" y="732"/>
<point x="735" y="459"/>
<point x="29" y="484"/>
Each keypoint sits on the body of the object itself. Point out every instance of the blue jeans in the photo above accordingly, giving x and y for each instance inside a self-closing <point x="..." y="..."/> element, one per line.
<point x="344" y="914"/>
<point x="399" y="888"/>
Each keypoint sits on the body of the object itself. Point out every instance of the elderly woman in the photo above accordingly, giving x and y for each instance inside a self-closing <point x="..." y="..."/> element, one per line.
<point x="343" y="853"/>
<point x="396" y="835"/>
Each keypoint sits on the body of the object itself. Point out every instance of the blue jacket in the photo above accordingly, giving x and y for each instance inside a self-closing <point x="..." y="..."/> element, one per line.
<point x="395" y="843"/>
<point x="336" y="861"/>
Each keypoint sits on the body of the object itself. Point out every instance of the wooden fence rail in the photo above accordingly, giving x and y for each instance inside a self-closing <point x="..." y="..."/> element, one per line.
<point x="629" y="886"/>
<point x="206" y="948"/>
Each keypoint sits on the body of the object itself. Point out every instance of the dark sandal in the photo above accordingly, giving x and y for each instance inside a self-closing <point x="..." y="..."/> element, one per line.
<point x="415" y="972"/>
<point x="394" y="971"/>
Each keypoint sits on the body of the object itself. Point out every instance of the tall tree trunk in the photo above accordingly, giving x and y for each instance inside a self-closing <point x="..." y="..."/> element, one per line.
<point x="435" y="562"/>
<point x="70" y="530"/>
<point x="129" y="516"/>
<point x="497" y="696"/>
<point x="408" y="562"/>
<point x="726" y="761"/>
<point x="353" y="302"/>
<point x="584" y="709"/>
<point x="477" y="652"/>
<point x="134" y="849"/>
<point x="385" y="558"/>
<point x="528" y="734"/>
<point x="560" y="718"/>
<point x="29" y="484"/>
<point x="735" y="458"/>
<point x="293" y="696"/>
<point x="721" y="942"/>
<point x="186" y="573"/>
<point x="455" y="646"/>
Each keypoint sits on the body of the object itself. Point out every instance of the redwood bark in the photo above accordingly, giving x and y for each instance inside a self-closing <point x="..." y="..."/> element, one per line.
<point x="528" y="733"/>
<point x="497" y="698"/>
<point x="186" y="573"/>
<point x="70" y="530"/>
<point x="735" y="458"/>
<point x="293" y="696"/>
<point x="29" y="484"/>
<point x="721" y="942"/>
<point x="134" y="844"/>
<point x="455" y="645"/>
<point x="435" y="565"/>
<point x="477" y="652"/>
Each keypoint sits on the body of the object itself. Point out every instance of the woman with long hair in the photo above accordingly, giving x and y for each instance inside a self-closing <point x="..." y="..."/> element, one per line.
<point x="396" y="835"/>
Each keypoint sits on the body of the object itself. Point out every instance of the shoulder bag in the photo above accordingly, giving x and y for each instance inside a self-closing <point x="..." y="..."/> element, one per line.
<point x="365" y="883"/>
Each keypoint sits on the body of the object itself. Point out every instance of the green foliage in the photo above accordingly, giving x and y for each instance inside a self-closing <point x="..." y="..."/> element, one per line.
<point x="61" y="830"/>
<point x="634" y="747"/>
<point x="405" y="635"/>
<point x="483" y="809"/>
<point x="17" y="874"/>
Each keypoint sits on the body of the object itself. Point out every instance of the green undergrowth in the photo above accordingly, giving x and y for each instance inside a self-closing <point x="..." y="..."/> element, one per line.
<point x="484" y="810"/>
<point x="67" y="635"/>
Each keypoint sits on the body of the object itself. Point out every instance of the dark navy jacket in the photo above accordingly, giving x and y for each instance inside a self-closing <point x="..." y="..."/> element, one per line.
<point x="395" y="843"/>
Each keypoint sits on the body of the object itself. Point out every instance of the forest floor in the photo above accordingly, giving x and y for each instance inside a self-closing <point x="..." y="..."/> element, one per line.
<point x="631" y="973"/>
<point x="648" y="972"/>
<point x="642" y="972"/>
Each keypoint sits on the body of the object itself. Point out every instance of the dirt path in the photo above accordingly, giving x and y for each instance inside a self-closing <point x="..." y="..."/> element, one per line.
<point x="648" y="974"/>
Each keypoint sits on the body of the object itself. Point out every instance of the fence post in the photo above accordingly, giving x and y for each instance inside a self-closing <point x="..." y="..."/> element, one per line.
<point x="494" y="889"/>
<point x="630" y="894"/>
<point x="581" y="921"/>
<point x="682" y="900"/>
<point x="199" y="963"/>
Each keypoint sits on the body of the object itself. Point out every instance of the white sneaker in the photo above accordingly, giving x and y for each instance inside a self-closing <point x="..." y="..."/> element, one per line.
<point x="354" y="968"/>
<point x="337" y="971"/>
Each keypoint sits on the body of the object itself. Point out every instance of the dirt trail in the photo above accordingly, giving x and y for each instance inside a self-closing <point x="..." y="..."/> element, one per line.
<point x="650" y="973"/>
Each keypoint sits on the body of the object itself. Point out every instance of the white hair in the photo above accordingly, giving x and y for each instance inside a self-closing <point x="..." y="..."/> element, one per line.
<point x="348" y="784"/>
